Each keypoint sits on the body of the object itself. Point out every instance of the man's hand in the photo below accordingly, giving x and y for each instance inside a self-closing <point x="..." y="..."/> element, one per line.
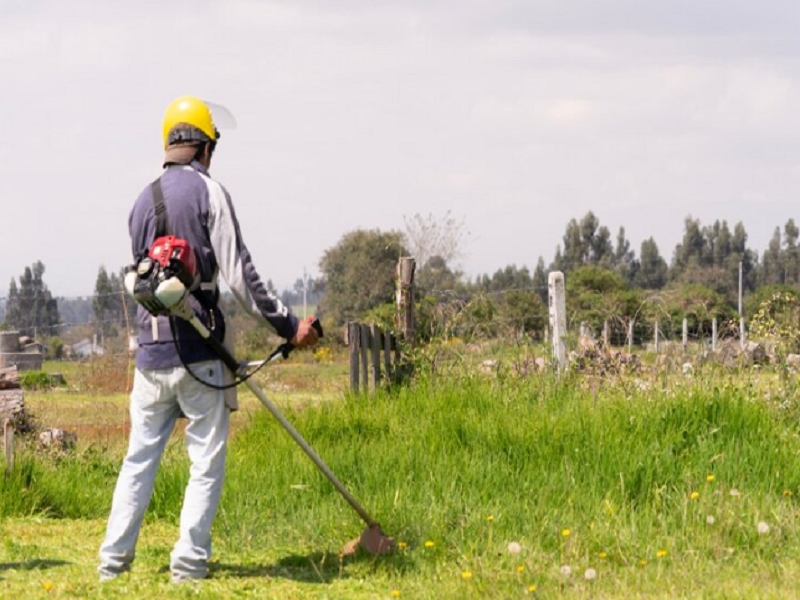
<point x="306" y="335"/>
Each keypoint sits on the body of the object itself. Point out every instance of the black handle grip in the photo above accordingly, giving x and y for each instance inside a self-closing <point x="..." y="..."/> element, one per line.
<point x="286" y="348"/>
<point x="318" y="326"/>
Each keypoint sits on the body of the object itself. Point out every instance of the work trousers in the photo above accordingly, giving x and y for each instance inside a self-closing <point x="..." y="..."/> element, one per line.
<point x="158" y="398"/>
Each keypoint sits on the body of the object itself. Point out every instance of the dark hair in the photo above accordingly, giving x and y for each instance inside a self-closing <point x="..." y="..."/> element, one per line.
<point x="201" y="148"/>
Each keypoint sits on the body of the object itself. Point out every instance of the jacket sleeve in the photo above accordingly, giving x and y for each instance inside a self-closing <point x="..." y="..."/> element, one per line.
<point x="236" y="265"/>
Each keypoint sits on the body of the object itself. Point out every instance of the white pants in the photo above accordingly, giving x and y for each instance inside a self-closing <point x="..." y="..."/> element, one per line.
<point x="157" y="399"/>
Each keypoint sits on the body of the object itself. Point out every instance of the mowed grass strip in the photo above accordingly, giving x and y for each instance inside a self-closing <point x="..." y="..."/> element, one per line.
<point x="492" y="488"/>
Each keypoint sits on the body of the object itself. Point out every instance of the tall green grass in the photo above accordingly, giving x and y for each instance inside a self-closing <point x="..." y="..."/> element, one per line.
<point x="630" y="475"/>
<point x="538" y="456"/>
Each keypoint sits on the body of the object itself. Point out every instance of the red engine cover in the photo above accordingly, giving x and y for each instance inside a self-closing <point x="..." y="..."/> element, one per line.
<point x="169" y="247"/>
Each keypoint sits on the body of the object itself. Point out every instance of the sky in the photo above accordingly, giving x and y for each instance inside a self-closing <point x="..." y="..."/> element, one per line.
<point x="511" y="116"/>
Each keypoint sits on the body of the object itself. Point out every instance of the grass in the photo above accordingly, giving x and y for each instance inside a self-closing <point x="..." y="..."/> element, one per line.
<point x="493" y="485"/>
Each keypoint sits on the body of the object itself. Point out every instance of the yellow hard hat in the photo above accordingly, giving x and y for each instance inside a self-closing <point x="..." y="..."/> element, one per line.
<point x="195" y="116"/>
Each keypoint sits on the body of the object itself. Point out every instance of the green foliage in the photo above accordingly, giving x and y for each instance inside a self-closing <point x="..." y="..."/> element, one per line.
<point x="34" y="380"/>
<point x="55" y="348"/>
<point x="777" y="321"/>
<point x="107" y="304"/>
<point x="359" y="273"/>
<point x="596" y="295"/>
<point x="31" y="308"/>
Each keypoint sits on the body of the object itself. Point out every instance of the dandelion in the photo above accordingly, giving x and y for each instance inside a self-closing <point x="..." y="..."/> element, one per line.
<point x="514" y="548"/>
<point x="643" y="562"/>
<point x="466" y="575"/>
<point x="763" y="528"/>
<point x="710" y="520"/>
<point x="429" y="544"/>
<point x="589" y="574"/>
<point x="787" y="492"/>
<point x="734" y="492"/>
<point x="47" y="585"/>
<point x="402" y="545"/>
<point x="709" y="478"/>
<point x="566" y="570"/>
<point x="531" y="589"/>
<point x="521" y="569"/>
<point x="490" y="518"/>
<point x="565" y="532"/>
<point x="602" y="554"/>
<point x="661" y="553"/>
<point x="395" y="593"/>
<point x="694" y="495"/>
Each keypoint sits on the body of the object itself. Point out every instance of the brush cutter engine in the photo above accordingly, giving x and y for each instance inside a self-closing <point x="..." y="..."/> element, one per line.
<point x="161" y="280"/>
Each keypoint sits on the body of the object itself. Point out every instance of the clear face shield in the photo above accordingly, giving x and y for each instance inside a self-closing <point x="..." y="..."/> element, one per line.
<point x="222" y="117"/>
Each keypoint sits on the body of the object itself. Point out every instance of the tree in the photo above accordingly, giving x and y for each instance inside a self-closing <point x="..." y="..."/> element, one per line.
<point x="107" y="303"/>
<point x="585" y="243"/>
<point x="359" y="273"/>
<point x="791" y="259"/>
<point x="31" y="308"/>
<point x="428" y="237"/>
<point x="652" y="272"/>
<point x="771" y="268"/>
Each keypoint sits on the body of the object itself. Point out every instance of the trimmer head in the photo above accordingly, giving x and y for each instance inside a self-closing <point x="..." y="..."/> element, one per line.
<point x="372" y="540"/>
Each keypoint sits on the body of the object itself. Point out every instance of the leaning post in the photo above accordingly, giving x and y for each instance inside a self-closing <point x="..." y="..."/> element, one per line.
<point x="405" y="298"/>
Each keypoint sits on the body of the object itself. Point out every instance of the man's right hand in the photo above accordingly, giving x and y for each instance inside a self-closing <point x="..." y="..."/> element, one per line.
<point x="306" y="335"/>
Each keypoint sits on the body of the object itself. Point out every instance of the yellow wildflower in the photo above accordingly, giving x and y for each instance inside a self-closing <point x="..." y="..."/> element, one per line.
<point x="709" y="477"/>
<point x="521" y="569"/>
<point x="565" y="532"/>
<point x="429" y="544"/>
<point x="395" y="593"/>
<point x="661" y="553"/>
<point x="490" y="518"/>
<point x="694" y="495"/>
<point x="466" y="574"/>
<point x="602" y="554"/>
<point x="531" y="589"/>
<point x="787" y="492"/>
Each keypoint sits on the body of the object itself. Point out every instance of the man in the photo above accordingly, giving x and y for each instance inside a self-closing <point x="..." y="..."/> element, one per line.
<point x="173" y="363"/>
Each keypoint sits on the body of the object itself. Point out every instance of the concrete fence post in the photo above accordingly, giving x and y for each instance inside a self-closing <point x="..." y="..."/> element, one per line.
<point x="558" y="316"/>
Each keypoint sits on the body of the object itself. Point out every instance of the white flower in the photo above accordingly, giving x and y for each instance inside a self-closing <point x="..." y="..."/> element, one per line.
<point x="590" y="574"/>
<point x="734" y="492"/>
<point x="763" y="528"/>
<point x="566" y="571"/>
<point x="710" y="519"/>
<point x="514" y="548"/>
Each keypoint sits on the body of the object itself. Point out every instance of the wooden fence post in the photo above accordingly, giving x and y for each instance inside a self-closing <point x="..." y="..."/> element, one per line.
<point x="405" y="298"/>
<point x="375" y="338"/>
<point x="354" y="344"/>
<point x="558" y="316"/>
<point x="606" y="334"/>
<point x="387" y="357"/>
<point x="365" y="347"/>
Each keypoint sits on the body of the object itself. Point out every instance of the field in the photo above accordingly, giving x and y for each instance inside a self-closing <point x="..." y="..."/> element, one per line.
<point x="655" y="484"/>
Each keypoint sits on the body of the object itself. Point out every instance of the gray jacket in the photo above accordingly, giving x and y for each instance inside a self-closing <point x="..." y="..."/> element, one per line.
<point x="200" y="211"/>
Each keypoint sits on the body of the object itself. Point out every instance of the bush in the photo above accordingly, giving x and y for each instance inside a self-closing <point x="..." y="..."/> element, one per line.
<point x="34" y="380"/>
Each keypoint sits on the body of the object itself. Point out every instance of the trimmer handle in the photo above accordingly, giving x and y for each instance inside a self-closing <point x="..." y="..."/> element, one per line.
<point x="286" y="348"/>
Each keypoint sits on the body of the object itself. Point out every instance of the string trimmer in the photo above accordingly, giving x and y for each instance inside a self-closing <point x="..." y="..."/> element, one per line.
<point x="161" y="283"/>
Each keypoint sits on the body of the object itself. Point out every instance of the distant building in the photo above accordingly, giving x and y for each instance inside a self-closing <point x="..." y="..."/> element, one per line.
<point x="86" y="348"/>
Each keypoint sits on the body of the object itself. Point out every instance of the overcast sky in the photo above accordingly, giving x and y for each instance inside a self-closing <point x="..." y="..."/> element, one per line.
<point x="514" y="116"/>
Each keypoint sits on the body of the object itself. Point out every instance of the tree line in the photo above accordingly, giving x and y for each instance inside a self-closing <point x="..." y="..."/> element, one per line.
<point x="606" y="279"/>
